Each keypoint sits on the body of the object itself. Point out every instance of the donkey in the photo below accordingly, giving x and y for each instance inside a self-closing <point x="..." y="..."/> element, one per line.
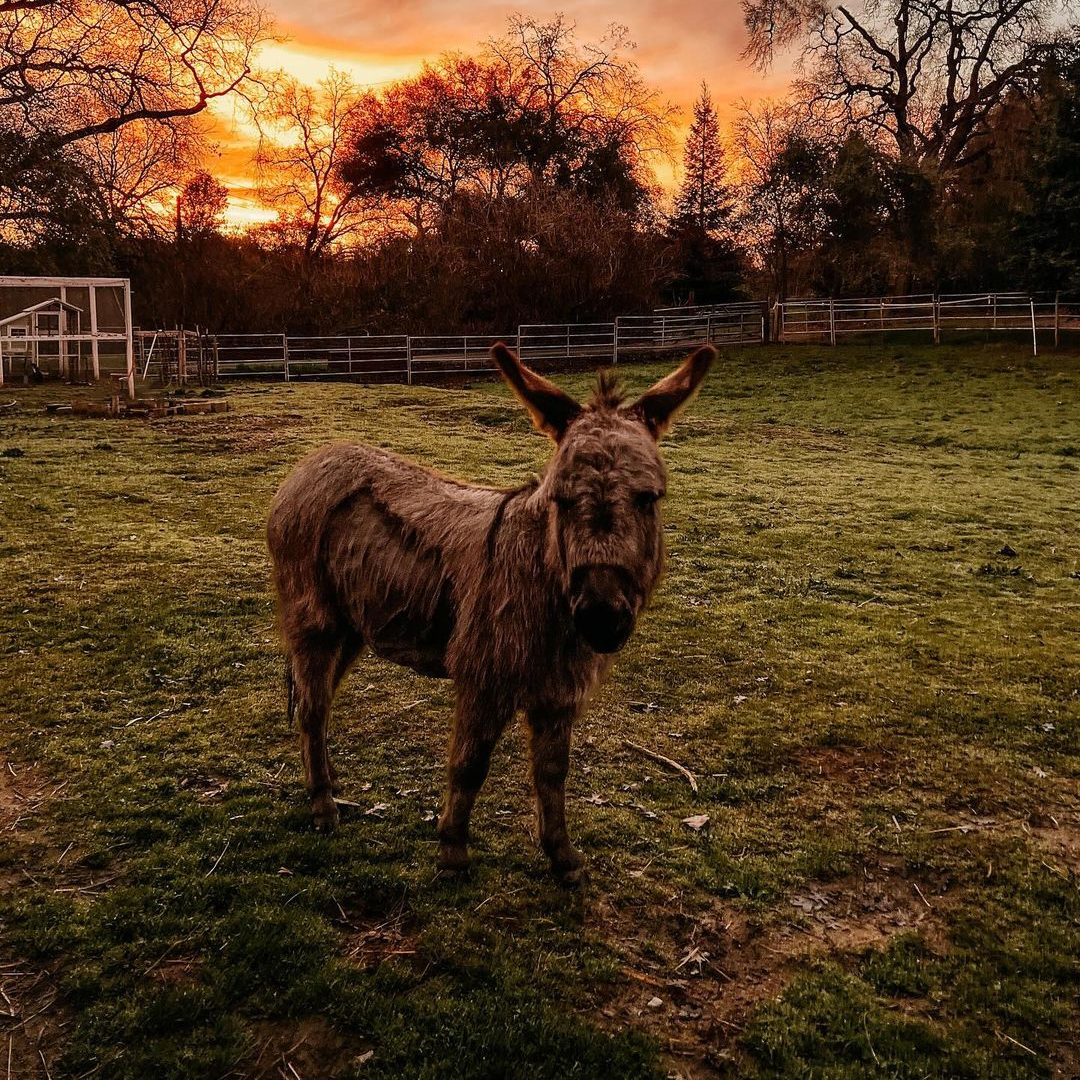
<point x="520" y="597"/>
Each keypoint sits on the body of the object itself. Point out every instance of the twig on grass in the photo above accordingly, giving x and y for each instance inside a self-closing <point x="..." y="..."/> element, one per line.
<point x="866" y="1029"/>
<point x="640" y="976"/>
<point x="166" y="953"/>
<point x="218" y="860"/>
<point x="921" y="897"/>
<point x="974" y="827"/>
<point x="1015" y="1042"/>
<point x="682" y="769"/>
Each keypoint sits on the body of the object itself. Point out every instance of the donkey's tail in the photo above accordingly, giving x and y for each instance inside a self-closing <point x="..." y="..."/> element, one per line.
<point x="290" y="690"/>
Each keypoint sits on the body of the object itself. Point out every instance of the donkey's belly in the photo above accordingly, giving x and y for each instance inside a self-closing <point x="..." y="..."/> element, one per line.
<point x="413" y="638"/>
<point x="391" y="589"/>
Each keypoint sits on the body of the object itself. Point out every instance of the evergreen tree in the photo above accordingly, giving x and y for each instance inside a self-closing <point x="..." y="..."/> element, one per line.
<point x="1049" y="241"/>
<point x="704" y="200"/>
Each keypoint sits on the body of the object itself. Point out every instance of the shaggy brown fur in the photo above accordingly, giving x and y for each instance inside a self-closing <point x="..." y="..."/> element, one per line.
<point x="518" y="596"/>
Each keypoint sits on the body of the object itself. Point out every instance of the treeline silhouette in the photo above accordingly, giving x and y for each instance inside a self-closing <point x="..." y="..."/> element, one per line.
<point x="925" y="146"/>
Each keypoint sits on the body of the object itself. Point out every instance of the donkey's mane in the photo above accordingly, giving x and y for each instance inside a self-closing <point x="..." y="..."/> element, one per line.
<point x="607" y="394"/>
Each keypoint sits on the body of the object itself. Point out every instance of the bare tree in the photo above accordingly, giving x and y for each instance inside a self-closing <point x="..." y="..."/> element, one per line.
<point x="922" y="74"/>
<point x="584" y="95"/>
<point x="424" y="139"/>
<point x="299" y="162"/>
<point x="136" y="168"/>
<point x="535" y="108"/>
<point x="78" y="69"/>
<point x="780" y="190"/>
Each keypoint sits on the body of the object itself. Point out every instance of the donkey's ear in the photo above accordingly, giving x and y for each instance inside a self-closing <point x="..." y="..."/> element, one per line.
<point x="552" y="409"/>
<point x="659" y="406"/>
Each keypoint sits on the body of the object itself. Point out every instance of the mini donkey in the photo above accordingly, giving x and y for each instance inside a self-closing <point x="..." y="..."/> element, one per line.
<point x="521" y="597"/>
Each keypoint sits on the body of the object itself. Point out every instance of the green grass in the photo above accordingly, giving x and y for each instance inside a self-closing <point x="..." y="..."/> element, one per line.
<point x="880" y="704"/>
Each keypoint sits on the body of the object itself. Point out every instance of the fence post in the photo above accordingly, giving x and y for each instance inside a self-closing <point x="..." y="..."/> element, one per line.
<point x="285" y="354"/>
<point x="615" y="342"/>
<point x="937" y="319"/>
<point x="1057" y="323"/>
<point x="1034" y="335"/>
<point x="567" y="340"/>
<point x="408" y="360"/>
<point x="832" y="321"/>
<point x="350" y="355"/>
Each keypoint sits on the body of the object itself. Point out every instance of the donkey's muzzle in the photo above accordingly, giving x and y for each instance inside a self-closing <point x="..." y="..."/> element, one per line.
<point x="601" y="611"/>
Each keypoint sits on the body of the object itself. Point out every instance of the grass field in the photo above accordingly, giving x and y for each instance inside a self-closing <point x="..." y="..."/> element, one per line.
<point x="865" y="650"/>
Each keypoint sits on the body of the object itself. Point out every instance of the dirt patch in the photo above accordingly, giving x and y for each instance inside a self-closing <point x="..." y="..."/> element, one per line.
<point x="31" y="1017"/>
<point x="694" y="979"/>
<point x="24" y="792"/>
<point x="852" y="764"/>
<point x="833" y="440"/>
<point x="237" y="433"/>
<point x="307" y="1048"/>
<point x="369" y="940"/>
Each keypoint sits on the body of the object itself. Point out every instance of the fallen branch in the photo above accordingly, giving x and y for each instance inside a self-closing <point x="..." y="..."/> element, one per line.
<point x="682" y="769"/>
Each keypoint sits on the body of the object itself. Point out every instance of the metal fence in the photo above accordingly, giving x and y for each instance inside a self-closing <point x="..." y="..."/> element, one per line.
<point x="828" y="320"/>
<point x="409" y="358"/>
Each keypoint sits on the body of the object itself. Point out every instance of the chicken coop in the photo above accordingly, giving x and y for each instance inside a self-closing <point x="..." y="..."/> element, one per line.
<point x="71" y="328"/>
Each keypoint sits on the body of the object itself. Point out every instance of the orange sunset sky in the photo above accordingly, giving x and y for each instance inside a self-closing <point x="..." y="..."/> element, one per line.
<point x="679" y="44"/>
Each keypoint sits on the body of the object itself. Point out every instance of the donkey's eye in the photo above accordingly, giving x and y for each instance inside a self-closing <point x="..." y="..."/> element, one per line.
<point x="646" y="500"/>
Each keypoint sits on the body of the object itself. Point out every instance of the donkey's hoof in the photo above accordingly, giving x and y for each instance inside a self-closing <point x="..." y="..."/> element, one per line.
<point x="453" y="861"/>
<point x="325" y="813"/>
<point x="572" y="879"/>
<point x="450" y="873"/>
<point x="569" y="867"/>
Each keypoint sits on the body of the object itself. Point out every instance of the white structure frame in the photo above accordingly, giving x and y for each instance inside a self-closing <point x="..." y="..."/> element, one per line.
<point x="94" y="335"/>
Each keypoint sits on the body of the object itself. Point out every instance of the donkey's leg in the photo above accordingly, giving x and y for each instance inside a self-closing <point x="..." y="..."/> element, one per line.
<point x="549" y="745"/>
<point x="314" y="662"/>
<point x="477" y="727"/>
<point x="350" y="649"/>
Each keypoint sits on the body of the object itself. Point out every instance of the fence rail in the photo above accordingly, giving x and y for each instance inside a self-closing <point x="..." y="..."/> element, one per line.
<point x="827" y="320"/>
<point x="405" y="358"/>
